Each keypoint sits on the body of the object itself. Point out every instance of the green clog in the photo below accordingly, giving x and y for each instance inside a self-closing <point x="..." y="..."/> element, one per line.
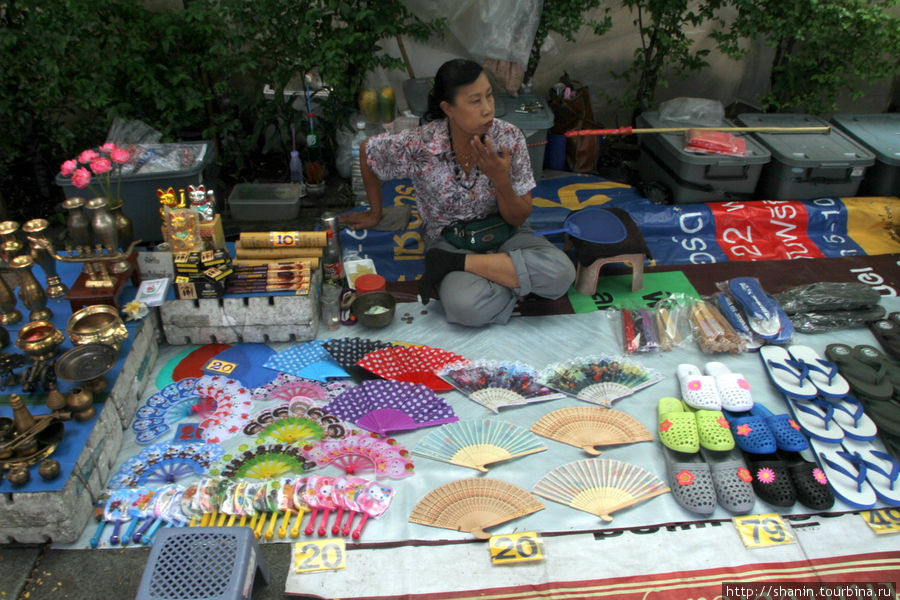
<point x="714" y="430"/>
<point x="677" y="427"/>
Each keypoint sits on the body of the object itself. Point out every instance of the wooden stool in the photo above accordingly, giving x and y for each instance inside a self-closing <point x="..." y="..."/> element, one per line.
<point x="586" y="277"/>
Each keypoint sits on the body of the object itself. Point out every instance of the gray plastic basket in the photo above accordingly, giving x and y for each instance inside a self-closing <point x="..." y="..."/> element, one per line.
<point x="202" y="563"/>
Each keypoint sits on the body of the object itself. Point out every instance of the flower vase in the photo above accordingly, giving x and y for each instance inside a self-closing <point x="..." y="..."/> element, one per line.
<point x="30" y="291"/>
<point x="36" y="230"/>
<point x="124" y="231"/>
<point x="78" y="224"/>
<point x="9" y="314"/>
<point x="104" y="225"/>
<point x="11" y="246"/>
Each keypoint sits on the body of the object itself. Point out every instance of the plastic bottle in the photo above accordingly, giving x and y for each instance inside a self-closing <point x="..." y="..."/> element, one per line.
<point x="296" y="168"/>
<point x="356" y="180"/>
<point x="332" y="267"/>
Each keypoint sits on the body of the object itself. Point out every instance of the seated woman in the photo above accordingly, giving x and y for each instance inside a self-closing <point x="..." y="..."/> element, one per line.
<point x="466" y="166"/>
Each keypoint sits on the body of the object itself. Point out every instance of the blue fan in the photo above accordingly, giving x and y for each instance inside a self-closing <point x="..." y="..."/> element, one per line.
<point x="165" y="463"/>
<point x="164" y="409"/>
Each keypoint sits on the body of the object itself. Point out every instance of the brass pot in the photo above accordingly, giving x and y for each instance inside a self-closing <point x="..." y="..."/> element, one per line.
<point x="49" y="469"/>
<point x="39" y="339"/>
<point x="18" y="475"/>
<point x="99" y="323"/>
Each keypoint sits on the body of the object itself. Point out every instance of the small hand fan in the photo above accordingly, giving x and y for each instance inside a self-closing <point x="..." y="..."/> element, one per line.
<point x="416" y="364"/>
<point x="472" y="505"/>
<point x="371" y="501"/>
<point x="230" y="404"/>
<point x="164" y="409"/>
<point x="361" y="451"/>
<point x="599" y="486"/>
<point x="293" y="423"/>
<point x="382" y="406"/>
<point x="309" y="359"/>
<point x="598" y="379"/>
<point x="165" y="463"/>
<point x="586" y="427"/>
<point x="475" y="444"/>
<point x="495" y="384"/>
<point x="319" y="498"/>
<point x="266" y="461"/>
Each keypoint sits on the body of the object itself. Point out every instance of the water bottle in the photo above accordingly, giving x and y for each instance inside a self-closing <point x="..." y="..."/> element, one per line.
<point x="356" y="179"/>
<point x="296" y="168"/>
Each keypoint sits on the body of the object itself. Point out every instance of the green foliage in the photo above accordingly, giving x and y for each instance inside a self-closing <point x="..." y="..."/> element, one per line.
<point x="565" y="17"/>
<point x="822" y="47"/>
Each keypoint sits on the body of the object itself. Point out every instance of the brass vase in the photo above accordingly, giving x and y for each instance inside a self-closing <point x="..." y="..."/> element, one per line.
<point x="78" y="224"/>
<point x="30" y="291"/>
<point x="36" y="230"/>
<point x="105" y="233"/>
<point x="11" y="244"/>
<point x="124" y="232"/>
<point x="9" y="314"/>
<point x="81" y="402"/>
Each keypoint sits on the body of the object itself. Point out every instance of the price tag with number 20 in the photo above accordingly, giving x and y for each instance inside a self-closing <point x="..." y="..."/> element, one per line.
<point x="514" y="548"/>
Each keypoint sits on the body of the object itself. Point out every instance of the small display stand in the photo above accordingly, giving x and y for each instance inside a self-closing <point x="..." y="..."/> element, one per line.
<point x="83" y="294"/>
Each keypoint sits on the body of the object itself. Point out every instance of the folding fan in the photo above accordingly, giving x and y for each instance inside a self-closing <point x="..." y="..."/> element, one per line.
<point x="588" y="426"/>
<point x="382" y="406"/>
<point x="475" y="444"/>
<point x="494" y="384"/>
<point x="165" y="463"/>
<point x="228" y="403"/>
<point x="287" y="387"/>
<point x="348" y="351"/>
<point x="161" y="411"/>
<point x="598" y="379"/>
<point x="309" y="359"/>
<point x="416" y="364"/>
<point x="472" y="505"/>
<point x="360" y="451"/>
<point x="266" y="461"/>
<point x="294" y="422"/>
<point x="599" y="486"/>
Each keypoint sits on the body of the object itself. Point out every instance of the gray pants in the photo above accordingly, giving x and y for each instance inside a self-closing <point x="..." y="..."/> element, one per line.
<point x="542" y="269"/>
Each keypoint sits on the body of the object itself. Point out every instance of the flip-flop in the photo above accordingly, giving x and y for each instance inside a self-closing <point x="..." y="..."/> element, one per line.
<point x="864" y="379"/>
<point x="850" y="416"/>
<point x="733" y="388"/>
<point x="713" y="429"/>
<point x="815" y="419"/>
<point x="677" y="427"/>
<point x="786" y="431"/>
<point x="846" y="475"/>
<point x="823" y="373"/>
<point x="733" y="315"/>
<point x="874" y="357"/>
<point x="887" y="332"/>
<point x="690" y="481"/>
<point x="885" y="413"/>
<point x="770" y="479"/>
<point x="751" y="433"/>
<point x="731" y="480"/>
<point x="698" y="390"/>
<point x="787" y="374"/>
<point x="809" y="481"/>
<point x="760" y="309"/>
<point x="882" y="470"/>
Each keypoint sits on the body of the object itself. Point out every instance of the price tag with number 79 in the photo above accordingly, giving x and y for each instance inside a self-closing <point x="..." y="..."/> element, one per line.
<point x="758" y="531"/>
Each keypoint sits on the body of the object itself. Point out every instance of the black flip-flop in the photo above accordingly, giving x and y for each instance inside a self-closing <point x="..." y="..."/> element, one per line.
<point x="864" y="379"/>
<point x="887" y="332"/>
<point x="809" y="480"/>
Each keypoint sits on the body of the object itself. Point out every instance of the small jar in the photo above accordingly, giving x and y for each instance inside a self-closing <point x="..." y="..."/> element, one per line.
<point x="370" y="282"/>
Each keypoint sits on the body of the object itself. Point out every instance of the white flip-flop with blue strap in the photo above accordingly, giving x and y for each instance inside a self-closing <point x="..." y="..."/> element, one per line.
<point x="882" y="470"/>
<point x="846" y="473"/>
<point x="822" y="373"/>
<point x="787" y="374"/>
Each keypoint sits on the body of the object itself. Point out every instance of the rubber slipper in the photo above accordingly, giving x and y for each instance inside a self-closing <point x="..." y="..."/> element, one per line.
<point x="751" y="433"/>
<point x="713" y="429"/>
<point x="786" y="431"/>
<point x="850" y="416"/>
<point x="758" y="308"/>
<point x="874" y="357"/>
<point x="809" y="480"/>
<point x="690" y="481"/>
<point x="823" y="373"/>
<point x="770" y="479"/>
<point x="731" y="480"/>
<point x="882" y="470"/>
<point x="816" y="419"/>
<point x="887" y="332"/>
<point x="787" y="374"/>
<point x="733" y="388"/>
<point x="864" y="379"/>
<point x="846" y="475"/>
<point x="677" y="427"/>
<point x="786" y="326"/>
<point x="698" y="390"/>
<point x="885" y="413"/>
<point x="725" y="304"/>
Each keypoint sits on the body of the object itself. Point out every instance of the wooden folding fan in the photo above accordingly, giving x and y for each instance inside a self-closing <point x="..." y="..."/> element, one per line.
<point x="599" y="486"/>
<point x="472" y="505"/>
<point x="478" y="443"/>
<point x="586" y="427"/>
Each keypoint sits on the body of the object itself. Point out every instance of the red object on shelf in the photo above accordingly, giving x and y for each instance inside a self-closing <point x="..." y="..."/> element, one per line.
<point x="370" y="282"/>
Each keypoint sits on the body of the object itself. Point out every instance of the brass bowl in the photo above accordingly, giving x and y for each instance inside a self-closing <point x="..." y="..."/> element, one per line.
<point x="374" y="309"/>
<point x="98" y="323"/>
<point x="39" y="339"/>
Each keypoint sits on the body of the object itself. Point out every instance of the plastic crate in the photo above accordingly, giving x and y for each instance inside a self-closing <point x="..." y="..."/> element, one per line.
<point x="806" y="166"/>
<point x="692" y="177"/>
<point x="880" y="133"/>
<point x="138" y="190"/>
<point x="265" y="201"/>
<point x="534" y="124"/>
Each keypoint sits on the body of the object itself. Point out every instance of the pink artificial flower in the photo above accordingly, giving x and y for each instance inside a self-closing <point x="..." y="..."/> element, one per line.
<point x="794" y="424"/>
<point x="819" y="476"/>
<point x="81" y="178"/>
<point x="744" y="474"/>
<point x="765" y="475"/>
<point x="100" y="165"/>
<point x="87" y="156"/>
<point x="694" y="385"/>
<point x="68" y="167"/>
<point x="743" y="384"/>
<point x="743" y="429"/>
<point x="665" y="425"/>
<point x="684" y="477"/>
<point x="722" y="421"/>
<point x="120" y="156"/>
<point x="108" y="147"/>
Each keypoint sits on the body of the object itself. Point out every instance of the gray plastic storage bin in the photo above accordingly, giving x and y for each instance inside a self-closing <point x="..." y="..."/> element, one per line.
<point x="693" y="177"/>
<point x="138" y="190"/>
<point x="805" y="166"/>
<point x="880" y="133"/>
<point x="533" y="116"/>
<point x="265" y="201"/>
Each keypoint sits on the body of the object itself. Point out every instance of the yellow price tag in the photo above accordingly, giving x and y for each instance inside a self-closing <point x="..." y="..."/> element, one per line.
<point x="882" y="520"/>
<point x="513" y="548"/>
<point x="320" y="555"/>
<point x="758" y="531"/>
<point x="283" y="239"/>
<point x="220" y="366"/>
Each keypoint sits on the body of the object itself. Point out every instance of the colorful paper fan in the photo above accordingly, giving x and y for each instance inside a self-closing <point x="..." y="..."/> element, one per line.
<point x="586" y="427"/>
<point x="598" y="379"/>
<point x="228" y="404"/>
<point x="309" y="359"/>
<point x="161" y="411"/>
<point x="363" y="451"/>
<point x="472" y="505"/>
<point x="495" y="384"/>
<point x="382" y="406"/>
<point x="348" y="351"/>
<point x="475" y="444"/>
<point x="296" y="422"/>
<point x="416" y="364"/>
<point x="165" y="463"/>
<point x="243" y="363"/>
<point x="266" y="461"/>
<point x="599" y="486"/>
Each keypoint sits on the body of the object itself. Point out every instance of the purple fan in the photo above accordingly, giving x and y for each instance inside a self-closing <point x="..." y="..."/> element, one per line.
<point x="382" y="406"/>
